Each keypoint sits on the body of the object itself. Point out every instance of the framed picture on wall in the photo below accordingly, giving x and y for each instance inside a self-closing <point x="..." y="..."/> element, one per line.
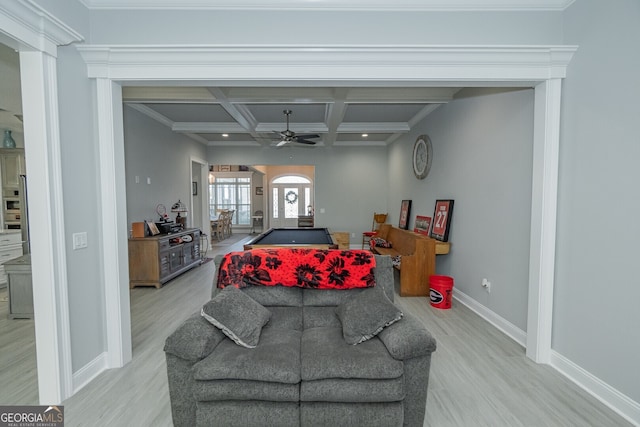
<point x="423" y="225"/>
<point x="259" y="191"/>
<point x="194" y="188"/>
<point x="405" y="210"/>
<point x="442" y="220"/>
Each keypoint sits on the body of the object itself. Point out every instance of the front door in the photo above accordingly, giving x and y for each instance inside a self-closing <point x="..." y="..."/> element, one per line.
<point x="288" y="201"/>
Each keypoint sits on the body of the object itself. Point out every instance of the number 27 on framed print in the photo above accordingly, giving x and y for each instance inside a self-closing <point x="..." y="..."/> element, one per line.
<point x="441" y="220"/>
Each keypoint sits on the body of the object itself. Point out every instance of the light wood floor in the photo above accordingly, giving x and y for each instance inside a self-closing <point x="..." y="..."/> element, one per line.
<point x="479" y="377"/>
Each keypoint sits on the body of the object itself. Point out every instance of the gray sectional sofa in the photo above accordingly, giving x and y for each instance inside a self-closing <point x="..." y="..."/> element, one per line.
<point x="302" y="372"/>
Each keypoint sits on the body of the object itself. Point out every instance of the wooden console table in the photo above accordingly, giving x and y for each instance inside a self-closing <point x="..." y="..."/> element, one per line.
<point x="155" y="260"/>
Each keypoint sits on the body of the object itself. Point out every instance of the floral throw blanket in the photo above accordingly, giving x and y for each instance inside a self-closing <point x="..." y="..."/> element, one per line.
<point x="306" y="268"/>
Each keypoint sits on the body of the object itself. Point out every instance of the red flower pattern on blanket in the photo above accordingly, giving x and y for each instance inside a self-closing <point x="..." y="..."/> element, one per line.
<point x="305" y="268"/>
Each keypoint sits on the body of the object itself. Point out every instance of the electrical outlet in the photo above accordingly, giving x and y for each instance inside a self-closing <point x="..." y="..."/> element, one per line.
<point x="486" y="284"/>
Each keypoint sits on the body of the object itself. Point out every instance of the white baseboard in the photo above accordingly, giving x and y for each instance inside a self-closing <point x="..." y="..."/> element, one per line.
<point x="618" y="402"/>
<point x="88" y="372"/>
<point x="508" y="328"/>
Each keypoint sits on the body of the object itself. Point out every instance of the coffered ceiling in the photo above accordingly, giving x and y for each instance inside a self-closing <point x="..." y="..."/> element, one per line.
<point x="248" y="116"/>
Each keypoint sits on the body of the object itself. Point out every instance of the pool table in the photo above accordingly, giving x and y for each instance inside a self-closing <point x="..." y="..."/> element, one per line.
<point x="316" y="238"/>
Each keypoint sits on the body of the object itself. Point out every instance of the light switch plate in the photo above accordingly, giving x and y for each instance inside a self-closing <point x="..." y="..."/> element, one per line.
<point x="79" y="240"/>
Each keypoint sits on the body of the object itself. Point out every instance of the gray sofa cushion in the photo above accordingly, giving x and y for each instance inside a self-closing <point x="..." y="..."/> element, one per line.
<point x="285" y="318"/>
<point x="325" y="354"/>
<point x="365" y="315"/>
<point x="322" y="414"/>
<point x="233" y="413"/>
<point x="237" y="315"/>
<point x="408" y="339"/>
<point x="275" y="359"/>
<point x="194" y="339"/>
<point x="326" y="297"/>
<point x="315" y="317"/>
<point x="353" y="390"/>
<point x="204" y="391"/>
<point x="275" y="295"/>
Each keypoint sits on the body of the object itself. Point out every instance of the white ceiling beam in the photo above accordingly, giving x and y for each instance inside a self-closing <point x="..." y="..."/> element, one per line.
<point x="208" y="127"/>
<point x="153" y="114"/>
<point x="296" y="127"/>
<point x="378" y="127"/>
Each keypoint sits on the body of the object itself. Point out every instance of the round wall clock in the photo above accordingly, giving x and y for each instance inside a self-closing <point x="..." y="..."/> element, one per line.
<point x="422" y="156"/>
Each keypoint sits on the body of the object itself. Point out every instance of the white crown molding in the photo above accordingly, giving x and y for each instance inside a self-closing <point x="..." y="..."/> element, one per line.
<point x="34" y="27"/>
<point x="318" y="63"/>
<point x="340" y="5"/>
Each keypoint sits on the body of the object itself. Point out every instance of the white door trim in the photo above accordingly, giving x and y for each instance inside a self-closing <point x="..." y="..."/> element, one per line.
<point x="36" y="34"/>
<point x="114" y="222"/>
<point x="542" y="253"/>
<point x="542" y="66"/>
<point x="203" y="194"/>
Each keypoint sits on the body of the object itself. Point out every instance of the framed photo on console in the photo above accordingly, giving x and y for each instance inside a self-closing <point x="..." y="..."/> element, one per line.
<point x="442" y="220"/>
<point x="423" y="225"/>
<point x="405" y="210"/>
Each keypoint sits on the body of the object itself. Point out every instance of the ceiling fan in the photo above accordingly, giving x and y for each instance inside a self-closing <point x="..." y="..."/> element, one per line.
<point x="288" y="136"/>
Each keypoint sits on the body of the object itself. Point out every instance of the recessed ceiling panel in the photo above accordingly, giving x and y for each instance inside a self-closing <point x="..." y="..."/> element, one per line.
<point x="377" y="137"/>
<point x="232" y="137"/>
<point x="301" y="113"/>
<point x="382" y="112"/>
<point x="192" y="112"/>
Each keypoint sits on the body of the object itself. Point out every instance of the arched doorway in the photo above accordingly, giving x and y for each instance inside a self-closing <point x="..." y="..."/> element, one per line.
<point x="291" y="197"/>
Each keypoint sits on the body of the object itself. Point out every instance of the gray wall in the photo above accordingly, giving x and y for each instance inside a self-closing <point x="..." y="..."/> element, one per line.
<point x="347" y="27"/>
<point x="350" y="184"/>
<point x="596" y="316"/>
<point x="153" y="151"/>
<point x="81" y="208"/>
<point x="482" y="144"/>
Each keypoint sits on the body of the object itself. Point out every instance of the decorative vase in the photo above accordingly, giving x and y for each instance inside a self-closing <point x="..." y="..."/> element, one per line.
<point x="8" y="141"/>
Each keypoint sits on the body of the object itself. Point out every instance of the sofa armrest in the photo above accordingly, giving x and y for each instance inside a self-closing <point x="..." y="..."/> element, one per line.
<point x="194" y="339"/>
<point x="407" y="339"/>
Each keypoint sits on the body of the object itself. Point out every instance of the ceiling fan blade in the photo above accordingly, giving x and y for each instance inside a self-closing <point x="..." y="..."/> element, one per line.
<point x="308" y="135"/>
<point x="304" y="141"/>
<point x="282" y="142"/>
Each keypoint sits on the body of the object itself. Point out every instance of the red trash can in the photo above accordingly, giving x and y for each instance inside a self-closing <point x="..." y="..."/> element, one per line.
<point x="440" y="290"/>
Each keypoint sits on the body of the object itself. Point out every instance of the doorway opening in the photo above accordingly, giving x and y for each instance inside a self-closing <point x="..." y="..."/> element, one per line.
<point x="291" y="198"/>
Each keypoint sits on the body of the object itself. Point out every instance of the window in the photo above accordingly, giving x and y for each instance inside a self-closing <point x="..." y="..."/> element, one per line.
<point x="231" y="192"/>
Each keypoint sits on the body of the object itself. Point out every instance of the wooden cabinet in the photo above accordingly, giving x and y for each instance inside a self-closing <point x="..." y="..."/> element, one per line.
<point x="305" y="221"/>
<point x="20" y="288"/>
<point x="155" y="260"/>
<point x="342" y="239"/>
<point x="14" y="209"/>
<point x="12" y="166"/>
<point x="10" y="248"/>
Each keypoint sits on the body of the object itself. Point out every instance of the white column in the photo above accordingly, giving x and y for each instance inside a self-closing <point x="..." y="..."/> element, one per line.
<point x="114" y="222"/>
<point x="48" y="251"/>
<point x="546" y="142"/>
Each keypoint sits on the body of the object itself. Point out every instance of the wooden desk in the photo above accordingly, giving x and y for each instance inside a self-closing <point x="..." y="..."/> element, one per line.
<point x="155" y="260"/>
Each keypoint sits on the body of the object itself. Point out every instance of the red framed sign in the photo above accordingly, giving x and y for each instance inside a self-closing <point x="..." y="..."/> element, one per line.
<point x="442" y="220"/>
<point x="423" y="225"/>
<point x="405" y="210"/>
